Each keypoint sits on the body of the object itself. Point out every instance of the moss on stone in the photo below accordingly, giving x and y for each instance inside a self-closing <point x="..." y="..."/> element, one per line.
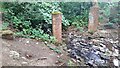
<point x="6" y="32"/>
<point x="56" y="12"/>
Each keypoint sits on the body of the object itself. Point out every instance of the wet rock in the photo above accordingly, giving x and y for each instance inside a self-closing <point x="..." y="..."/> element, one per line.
<point x="93" y="51"/>
<point x="100" y="62"/>
<point x="103" y="56"/>
<point x="73" y="54"/>
<point x="115" y="52"/>
<point x="97" y="52"/>
<point x="90" y="62"/>
<point x="94" y="59"/>
<point x="96" y="47"/>
<point x="95" y="40"/>
<point x="102" y="49"/>
<point x="84" y="44"/>
<point x="92" y="56"/>
<point x="102" y="45"/>
<point x="116" y="62"/>
<point x="14" y="55"/>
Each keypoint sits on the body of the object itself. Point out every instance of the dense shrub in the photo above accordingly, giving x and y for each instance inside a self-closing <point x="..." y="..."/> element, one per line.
<point x="32" y="14"/>
<point x="109" y="10"/>
<point x="32" y="19"/>
<point x="76" y="12"/>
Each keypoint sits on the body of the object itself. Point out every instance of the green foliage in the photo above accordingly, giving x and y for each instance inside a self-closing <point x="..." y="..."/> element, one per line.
<point x="109" y="10"/>
<point x="32" y="19"/>
<point x="37" y="34"/>
<point x="4" y="26"/>
<point x="76" y="13"/>
<point x="78" y="22"/>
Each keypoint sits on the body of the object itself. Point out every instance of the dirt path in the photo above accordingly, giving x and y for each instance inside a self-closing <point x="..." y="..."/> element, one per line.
<point x="27" y="52"/>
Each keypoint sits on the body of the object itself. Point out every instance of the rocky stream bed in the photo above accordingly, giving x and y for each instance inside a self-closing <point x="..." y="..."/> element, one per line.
<point x="94" y="51"/>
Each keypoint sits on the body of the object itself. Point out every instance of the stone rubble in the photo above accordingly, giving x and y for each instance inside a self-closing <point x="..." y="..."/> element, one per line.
<point x="94" y="51"/>
<point x="116" y="62"/>
<point x="14" y="55"/>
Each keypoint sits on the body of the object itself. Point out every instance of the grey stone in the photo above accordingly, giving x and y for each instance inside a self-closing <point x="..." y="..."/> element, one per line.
<point x="24" y="63"/>
<point x="14" y="55"/>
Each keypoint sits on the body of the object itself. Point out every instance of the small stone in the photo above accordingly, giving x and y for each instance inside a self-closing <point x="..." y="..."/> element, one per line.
<point x="78" y="57"/>
<point x="116" y="52"/>
<point x="75" y="35"/>
<point x="43" y="58"/>
<point x="14" y="54"/>
<point x="69" y="50"/>
<point x="37" y="43"/>
<point x="108" y="53"/>
<point x="45" y="42"/>
<point x="24" y="63"/>
<point x="73" y="60"/>
<point x="28" y="56"/>
<point x="103" y="31"/>
<point x="102" y="45"/>
<point x="76" y="47"/>
<point x="102" y="49"/>
<point x="97" y="52"/>
<point x="91" y="62"/>
<point x="116" y="41"/>
<point x="27" y="41"/>
<point x="116" y="62"/>
<point x="95" y="41"/>
<point x="74" y="40"/>
<point x="104" y="56"/>
<point x="24" y="58"/>
<point x="95" y="47"/>
<point x="58" y="56"/>
<point x="99" y="62"/>
<point x="77" y="43"/>
<point x="58" y="62"/>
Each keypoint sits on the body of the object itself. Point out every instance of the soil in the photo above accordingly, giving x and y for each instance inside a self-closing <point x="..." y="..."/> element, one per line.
<point x="31" y="53"/>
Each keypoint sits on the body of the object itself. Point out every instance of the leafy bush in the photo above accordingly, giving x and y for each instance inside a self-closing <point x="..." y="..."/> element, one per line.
<point x="76" y="12"/>
<point x="33" y="19"/>
<point x="110" y="11"/>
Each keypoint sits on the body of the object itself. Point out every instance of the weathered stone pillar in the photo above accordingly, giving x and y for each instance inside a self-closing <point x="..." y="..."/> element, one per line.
<point x="93" y="18"/>
<point x="57" y="26"/>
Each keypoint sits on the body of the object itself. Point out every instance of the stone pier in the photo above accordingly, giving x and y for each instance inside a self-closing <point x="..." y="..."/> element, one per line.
<point x="57" y="26"/>
<point x="93" y="18"/>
